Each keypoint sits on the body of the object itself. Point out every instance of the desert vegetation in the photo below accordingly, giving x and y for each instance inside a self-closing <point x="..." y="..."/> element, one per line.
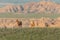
<point x="30" y="34"/>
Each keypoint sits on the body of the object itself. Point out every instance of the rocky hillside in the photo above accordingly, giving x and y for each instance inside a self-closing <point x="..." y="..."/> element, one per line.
<point x="11" y="8"/>
<point x="30" y="23"/>
<point x="34" y="7"/>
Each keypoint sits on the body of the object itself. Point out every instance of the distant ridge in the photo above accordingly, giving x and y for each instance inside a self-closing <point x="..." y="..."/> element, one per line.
<point x="33" y="7"/>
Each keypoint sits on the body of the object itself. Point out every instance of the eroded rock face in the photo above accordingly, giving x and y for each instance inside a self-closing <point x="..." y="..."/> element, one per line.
<point x="10" y="23"/>
<point x="31" y="23"/>
<point x="12" y="8"/>
<point x="43" y="6"/>
<point x="33" y="7"/>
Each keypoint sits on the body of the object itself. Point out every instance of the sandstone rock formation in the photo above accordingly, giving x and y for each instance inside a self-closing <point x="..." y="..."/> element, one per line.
<point x="33" y="7"/>
<point x="11" y="8"/>
<point x="42" y="6"/>
<point x="30" y="23"/>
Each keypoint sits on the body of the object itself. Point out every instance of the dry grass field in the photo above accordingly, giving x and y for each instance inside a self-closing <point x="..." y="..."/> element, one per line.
<point x="29" y="15"/>
<point x="30" y="34"/>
